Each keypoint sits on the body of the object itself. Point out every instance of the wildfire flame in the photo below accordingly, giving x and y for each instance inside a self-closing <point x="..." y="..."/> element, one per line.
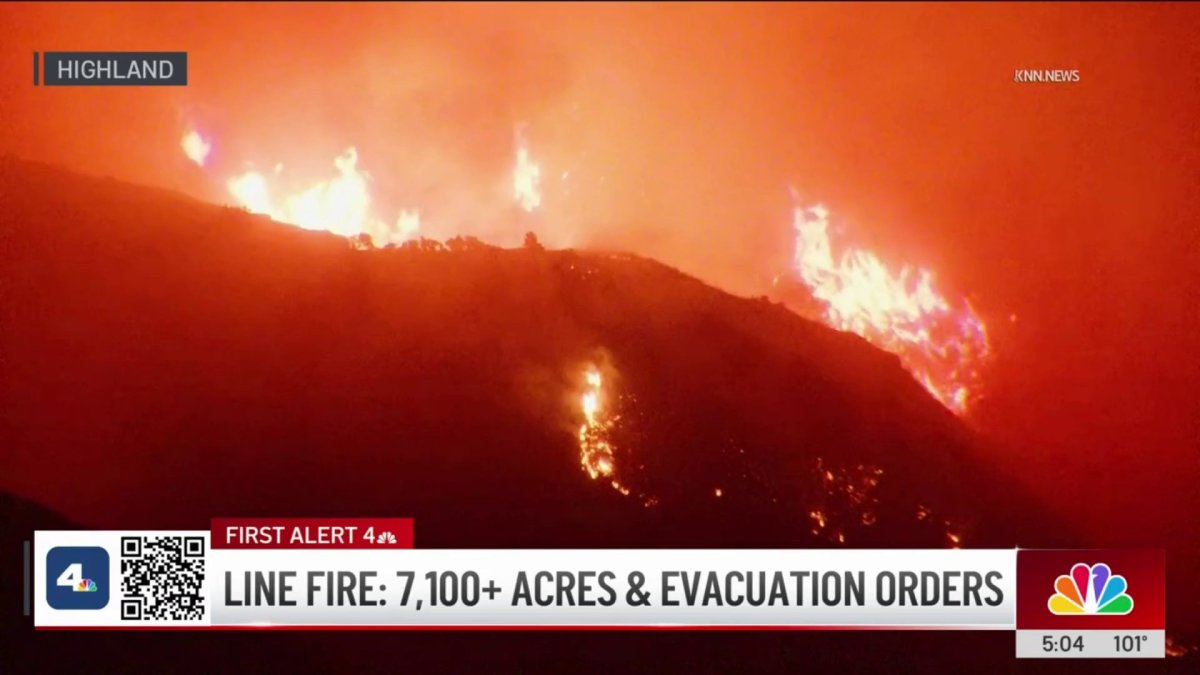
<point x="341" y="205"/>
<point x="526" y="176"/>
<point x="595" y="448"/>
<point x="195" y="147"/>
<point x="595" y="452"/>
<point x="941" y="343"/>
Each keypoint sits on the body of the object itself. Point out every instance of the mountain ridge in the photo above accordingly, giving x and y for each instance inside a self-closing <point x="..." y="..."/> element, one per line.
<point x="240" y="311"/>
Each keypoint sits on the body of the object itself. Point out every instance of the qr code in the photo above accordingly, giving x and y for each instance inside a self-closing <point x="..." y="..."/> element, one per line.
<point x="161" y="578"/>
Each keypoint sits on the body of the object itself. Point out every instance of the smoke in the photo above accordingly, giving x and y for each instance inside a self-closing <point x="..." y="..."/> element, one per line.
<point x="647" y="123"/>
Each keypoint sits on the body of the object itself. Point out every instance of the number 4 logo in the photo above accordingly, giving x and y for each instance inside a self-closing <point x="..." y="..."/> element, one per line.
<point x="73" y="577"/>
<point x="77" y="577"/>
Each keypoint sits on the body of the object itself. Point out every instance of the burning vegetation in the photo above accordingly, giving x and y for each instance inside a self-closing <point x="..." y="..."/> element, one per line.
<point x="941" y="342"/>
<point x="595" y="450"/>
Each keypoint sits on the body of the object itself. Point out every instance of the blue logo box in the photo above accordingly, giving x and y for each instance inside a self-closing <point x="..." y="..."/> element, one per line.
<point x="77" y="577"/>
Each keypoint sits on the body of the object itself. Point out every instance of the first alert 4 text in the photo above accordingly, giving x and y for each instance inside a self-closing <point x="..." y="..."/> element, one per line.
<point x="907" y="588"/>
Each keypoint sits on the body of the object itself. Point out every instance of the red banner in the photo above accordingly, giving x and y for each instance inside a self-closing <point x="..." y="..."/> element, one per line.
<point x="312" y="533"/>
<point x="1098" y="589"/>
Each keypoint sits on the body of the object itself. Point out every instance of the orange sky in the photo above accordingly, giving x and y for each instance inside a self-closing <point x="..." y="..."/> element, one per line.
<point x="682" y="128"/>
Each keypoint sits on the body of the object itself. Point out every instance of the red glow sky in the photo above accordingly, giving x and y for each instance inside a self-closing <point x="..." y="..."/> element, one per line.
<point x="1073" y="207"/>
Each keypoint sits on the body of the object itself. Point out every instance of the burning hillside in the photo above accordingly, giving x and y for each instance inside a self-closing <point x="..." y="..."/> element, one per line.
<point x="177" y="316"/>
<point x="943" y="343"/>
<point x="211" y="361"/>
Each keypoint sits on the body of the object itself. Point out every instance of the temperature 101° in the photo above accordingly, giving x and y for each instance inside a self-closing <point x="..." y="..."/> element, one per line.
<point x="1129" y="643"/>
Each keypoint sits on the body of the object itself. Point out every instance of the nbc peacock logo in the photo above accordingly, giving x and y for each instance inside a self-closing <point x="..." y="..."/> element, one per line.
<point x="1090" y="590"/>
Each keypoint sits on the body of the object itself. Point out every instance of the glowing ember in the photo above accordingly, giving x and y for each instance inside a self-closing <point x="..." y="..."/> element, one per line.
<point x="955" y="536"/>
<point x="195" y="147"/>
<point x="526" y="176"/>
<point x="953" y="531"/>
<point x="848" y="500"/>
<point x="1175" y="648"/>
<point x="941" y="344"/>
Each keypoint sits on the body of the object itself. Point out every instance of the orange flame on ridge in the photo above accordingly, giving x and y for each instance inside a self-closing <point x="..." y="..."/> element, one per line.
<point x="942" y="345"/>
<point x="341" y="205"/>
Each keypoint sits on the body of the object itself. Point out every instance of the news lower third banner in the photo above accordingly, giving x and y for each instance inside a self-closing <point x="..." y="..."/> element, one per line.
<point x="362" y="572"/>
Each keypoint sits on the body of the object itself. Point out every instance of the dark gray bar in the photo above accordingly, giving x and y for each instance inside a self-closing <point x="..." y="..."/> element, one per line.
<point x="28" y="595"/>
<point x="35" y="69"/>
<point x="92" y="69"/>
